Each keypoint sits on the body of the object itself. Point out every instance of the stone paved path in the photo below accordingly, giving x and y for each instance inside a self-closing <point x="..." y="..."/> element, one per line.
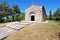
<point x="11" y="28"/>
<point x="17" y="26"/>
<point x="5" y="31"/>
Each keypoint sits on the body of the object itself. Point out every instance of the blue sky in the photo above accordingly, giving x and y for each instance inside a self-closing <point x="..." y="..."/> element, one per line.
<point x="23" y="4"/>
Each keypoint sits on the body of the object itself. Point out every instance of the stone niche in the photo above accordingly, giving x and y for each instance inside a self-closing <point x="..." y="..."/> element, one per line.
<point x="35" y="13"/>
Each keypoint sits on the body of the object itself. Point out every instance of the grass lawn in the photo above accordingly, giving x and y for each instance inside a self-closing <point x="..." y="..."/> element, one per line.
<point x="37" y="31"/>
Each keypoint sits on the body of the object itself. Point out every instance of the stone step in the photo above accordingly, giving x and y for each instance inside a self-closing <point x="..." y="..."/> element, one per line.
<point x="5" y="31"/>
<point x="18" y="26"/>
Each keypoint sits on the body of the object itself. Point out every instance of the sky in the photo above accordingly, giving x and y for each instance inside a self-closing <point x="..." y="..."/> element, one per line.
<point x="52" y="5"/>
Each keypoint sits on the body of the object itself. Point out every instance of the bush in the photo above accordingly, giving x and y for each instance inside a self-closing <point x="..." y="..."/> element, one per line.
<point x="57" y="18"/>
<point x="17" y="17"/>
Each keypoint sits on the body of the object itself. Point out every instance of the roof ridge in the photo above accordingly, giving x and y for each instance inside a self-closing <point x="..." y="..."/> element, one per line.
<point x="37" y="5"/>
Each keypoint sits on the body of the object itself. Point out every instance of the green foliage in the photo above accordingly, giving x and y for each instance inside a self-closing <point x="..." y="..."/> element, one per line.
<point x="5" y="11"/>
<point x="22" y="16"/>
<point x="58" y="12"/>
<point x="57" y="15"/>
<point x="8" y="19"/>
<point x="15" y="9"/>
<point x="50" y="15"/>
<point x="17" y="17"/>
<point x="0" y="19"/>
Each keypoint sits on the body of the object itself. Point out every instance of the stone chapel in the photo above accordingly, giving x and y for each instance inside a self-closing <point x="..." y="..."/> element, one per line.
<point x="35" y="13"/>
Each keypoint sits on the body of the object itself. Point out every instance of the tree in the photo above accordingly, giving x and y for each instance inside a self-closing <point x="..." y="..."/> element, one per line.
<point x="57" y="14"/>
<point x="0" y="19"/>
<point x="16" y="13"/>
<point x="1" y="5"/>
<point x="22" y="16"/>
<point x="16" y="9"/>
<point x="5" y="11"/>
<point x="50" y="15"/>
<point x="6" y="8"/>
<point x="17" y="17"/>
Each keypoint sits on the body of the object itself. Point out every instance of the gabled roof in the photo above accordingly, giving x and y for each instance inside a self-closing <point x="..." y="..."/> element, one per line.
<point x="38" y="6"/>
<point x="35" y="6"/>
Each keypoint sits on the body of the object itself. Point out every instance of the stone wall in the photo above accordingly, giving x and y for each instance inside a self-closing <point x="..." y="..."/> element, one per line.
<point x="38" y="13"/>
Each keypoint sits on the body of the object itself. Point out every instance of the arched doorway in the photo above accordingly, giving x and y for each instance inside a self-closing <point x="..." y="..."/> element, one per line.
<point x="32" y="18"/>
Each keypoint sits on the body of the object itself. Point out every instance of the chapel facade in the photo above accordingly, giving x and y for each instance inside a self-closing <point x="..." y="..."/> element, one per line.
<point x="35" y="13"/>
